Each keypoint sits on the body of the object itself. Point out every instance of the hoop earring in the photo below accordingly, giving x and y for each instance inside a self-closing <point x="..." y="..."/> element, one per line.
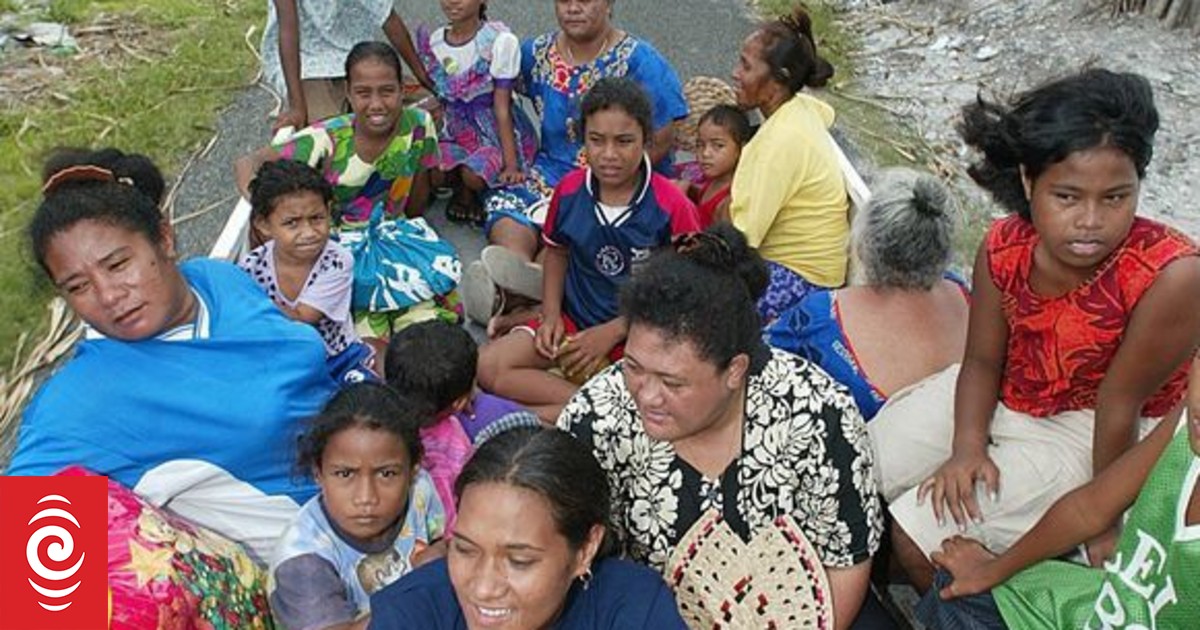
<point x="586" y="578"/>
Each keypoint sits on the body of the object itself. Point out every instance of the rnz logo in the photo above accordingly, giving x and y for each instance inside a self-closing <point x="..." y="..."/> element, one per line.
<point x="54" y="550"/>
<point x="61" y="550"/>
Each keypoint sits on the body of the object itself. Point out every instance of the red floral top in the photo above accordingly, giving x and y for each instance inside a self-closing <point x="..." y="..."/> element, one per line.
<point x="1060" y="348"/>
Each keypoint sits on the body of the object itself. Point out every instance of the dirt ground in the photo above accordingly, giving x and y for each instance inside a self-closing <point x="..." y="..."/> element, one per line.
<point x="923" y="59"/>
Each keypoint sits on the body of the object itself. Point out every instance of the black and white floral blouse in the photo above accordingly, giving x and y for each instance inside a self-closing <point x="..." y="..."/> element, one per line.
<point x="805" y="454"/>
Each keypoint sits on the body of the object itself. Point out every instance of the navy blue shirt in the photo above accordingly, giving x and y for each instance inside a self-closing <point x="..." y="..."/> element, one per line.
<point x="622" y="596"/>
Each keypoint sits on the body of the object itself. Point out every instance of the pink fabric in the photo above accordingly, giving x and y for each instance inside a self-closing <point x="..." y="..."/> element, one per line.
<point x="447" y="449"/>
<point x="183" y="576"/>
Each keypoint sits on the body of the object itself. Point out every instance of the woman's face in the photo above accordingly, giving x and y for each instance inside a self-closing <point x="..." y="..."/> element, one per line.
<point x="509" y="564"/>
<point x="365" y="476"/>
<point x="583" y="20"/>
<point x="1083" y="208"/>
<point x="752" y="75"/>
<point x="375" y="96"/>
<point x="678" y="393"/>
<point x="119" y="282"/>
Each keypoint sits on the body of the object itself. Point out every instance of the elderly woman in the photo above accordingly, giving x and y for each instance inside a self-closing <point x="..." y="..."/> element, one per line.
<point x="190" y="386"/>
<point x="706" y="432"/>
<point x="530" y="549"/>
<point x="907" y="321"/>
<point x="789" y="197"/>
<point x="557" y="69"/>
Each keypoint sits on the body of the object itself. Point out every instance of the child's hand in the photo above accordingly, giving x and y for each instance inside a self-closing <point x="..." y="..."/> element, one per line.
<point x="585" y="351"/>
<point x="1100" y="548"/>
<point x="510" y="176"/>
<point x="969" y="563"/>
<point x="549" y="337"/>
<point x="430" y="553"/>
<point x="290" y="117"/>
<point x="953" y="486"/>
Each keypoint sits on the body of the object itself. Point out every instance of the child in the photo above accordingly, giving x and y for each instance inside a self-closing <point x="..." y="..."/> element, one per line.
<point x="307" y="275"/>
<point x="374" y="520"/>
<point x="1151" y="582"/>
<point x="486" y="141"/>
<point x="434" y="362"/>
<point x="721" y="134"/>
<point x="1083" y="320"/>
<point x="377" y="160"/>
<point x="603" y="221"/>
<point x="305" y="42"/>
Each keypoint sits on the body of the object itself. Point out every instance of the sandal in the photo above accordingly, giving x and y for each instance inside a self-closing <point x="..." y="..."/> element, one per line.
<point x="464" y="207"/>
<point x="511" y="272"/>
<point x="479" y="294"/>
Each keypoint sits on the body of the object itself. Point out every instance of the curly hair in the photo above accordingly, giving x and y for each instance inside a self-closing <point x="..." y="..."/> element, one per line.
<point x="1045" y="125"/>
<point x="433" y="361"/>
<point x="370" y="405"/>
<point x="280" y="178"/>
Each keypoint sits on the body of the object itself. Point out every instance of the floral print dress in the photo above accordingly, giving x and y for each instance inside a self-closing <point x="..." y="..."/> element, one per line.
<point x="805" y="454"/>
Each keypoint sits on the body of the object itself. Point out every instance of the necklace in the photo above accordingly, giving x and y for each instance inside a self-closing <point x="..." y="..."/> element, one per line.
<point x="603" y="47"/>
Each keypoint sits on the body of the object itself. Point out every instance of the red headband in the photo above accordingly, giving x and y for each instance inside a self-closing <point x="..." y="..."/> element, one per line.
<point x="80" y="173"/>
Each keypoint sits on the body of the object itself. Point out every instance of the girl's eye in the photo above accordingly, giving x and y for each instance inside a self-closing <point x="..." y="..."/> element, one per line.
<point x="343" y="473"/>
<point x="388" y="474"/>
<point x="1117" y="198"/>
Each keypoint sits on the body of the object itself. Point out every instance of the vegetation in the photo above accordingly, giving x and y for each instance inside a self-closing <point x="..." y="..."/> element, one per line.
<point x="150" y="76"/>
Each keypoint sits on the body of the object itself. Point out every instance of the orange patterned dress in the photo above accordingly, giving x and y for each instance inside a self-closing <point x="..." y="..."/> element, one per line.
<point x="1060" y="348"/>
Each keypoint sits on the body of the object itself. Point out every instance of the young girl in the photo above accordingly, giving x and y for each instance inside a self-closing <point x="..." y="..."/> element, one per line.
<point x="486" y="141"/>
<point x="721" y="134"/>
<point x="374" y="520"/>
<point x="307" y="275"/>
<point x="377" y="160"/>
<point x="1150" y="584"/>
<point x="603" y="221"/>
<point x="1083" y="319"/>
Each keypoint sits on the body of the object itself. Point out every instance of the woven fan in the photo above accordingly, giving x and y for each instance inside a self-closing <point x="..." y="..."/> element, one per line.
<point x="774" y="581"/>
<point x="702" y="94"/>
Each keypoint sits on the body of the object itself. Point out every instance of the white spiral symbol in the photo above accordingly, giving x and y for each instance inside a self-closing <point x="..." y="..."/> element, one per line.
<point x="59" y="551"/>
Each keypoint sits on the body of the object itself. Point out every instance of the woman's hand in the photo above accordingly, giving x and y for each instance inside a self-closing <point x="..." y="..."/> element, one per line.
<point x="970" y="566"/>
<point x="586" y="350"/>
<point x="293" y="117"/>
<point x="510" y="176"/>
<point x="953" y="486"/>
<point x="549" y="336"/>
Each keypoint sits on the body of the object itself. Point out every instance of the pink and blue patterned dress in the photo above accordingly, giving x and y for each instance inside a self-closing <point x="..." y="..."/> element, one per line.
<point x="467" y="77"/>
<point x="556" y="88"/>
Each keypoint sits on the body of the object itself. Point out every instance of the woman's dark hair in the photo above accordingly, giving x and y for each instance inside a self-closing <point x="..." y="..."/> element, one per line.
<point x="557" y="467"/>
<point x="284" y="177"/>
<point x="369" y="405"/>
<point x="704" y="291"/>
<point x="483" y="11"/>
<point x="379" y="51"/>
<point x="791" y="52"/>
<point x="107" y="185"/>
<point x="621" y="93"/>
<point x="1046" y="124"/>
<point x="433" y="361"/>
<point x="730" y="119"/>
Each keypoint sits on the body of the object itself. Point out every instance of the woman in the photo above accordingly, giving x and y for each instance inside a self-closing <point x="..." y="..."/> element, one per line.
<point x="789" y="197"/>
<point x="377" y="159"/>
<point x="907" y="321"/>
<point x="529" y="550"/>
<point x="168" y="392"/>
<point x="702" y="427"/>
<point x="557" y="69"/>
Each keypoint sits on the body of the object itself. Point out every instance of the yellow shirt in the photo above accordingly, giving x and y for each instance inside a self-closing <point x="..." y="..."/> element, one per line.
<point x="789" y="196"/>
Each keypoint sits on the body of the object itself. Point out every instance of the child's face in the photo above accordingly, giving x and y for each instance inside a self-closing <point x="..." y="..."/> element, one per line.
<point x="375" y="94"/>
<point x="365" y="476"/>
<point x="615" y="147"/>
<point x="461" y="10"/>
<point x="1082" y="209"/>
<point x="716" y="150"/>
<point x="299" y="225"/>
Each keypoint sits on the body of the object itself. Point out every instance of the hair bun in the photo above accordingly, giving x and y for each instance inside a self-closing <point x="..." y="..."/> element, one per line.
<point x="930" y="196"/>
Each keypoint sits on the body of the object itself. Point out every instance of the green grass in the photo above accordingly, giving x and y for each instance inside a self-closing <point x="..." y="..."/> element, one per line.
<point x="161" y="101"/>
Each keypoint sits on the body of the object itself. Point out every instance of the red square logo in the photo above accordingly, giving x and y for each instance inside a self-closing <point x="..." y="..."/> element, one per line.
<point x="54" y="553"/>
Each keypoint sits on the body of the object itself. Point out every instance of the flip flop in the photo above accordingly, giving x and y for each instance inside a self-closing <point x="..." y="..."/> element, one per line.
<point x="511" y="273"/>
